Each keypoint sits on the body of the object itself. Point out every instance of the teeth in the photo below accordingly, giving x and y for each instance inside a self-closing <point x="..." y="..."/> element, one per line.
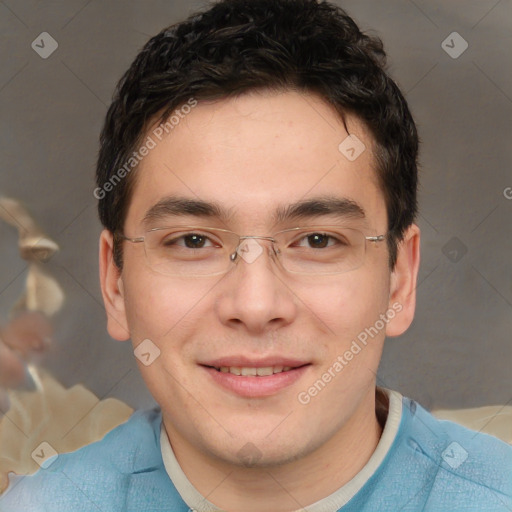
<point x="251" y="371"/>
<point x="264" y="371"/>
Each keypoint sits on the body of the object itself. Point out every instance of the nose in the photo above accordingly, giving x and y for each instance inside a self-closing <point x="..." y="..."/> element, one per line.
<point x="253" y="295"/>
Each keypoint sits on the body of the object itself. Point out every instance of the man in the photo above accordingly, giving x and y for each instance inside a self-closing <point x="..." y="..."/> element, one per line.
<point x="257" y="184"/>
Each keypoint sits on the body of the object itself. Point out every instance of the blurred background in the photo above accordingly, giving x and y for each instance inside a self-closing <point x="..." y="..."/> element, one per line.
<point x="452" y="60"/>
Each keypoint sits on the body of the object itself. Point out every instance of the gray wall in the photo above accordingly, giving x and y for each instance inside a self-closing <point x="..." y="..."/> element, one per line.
<point x="458" y="351"/>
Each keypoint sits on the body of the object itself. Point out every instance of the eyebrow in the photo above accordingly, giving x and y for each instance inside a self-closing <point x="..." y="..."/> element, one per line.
<point x="183" y="206"/>
<point x="305" y="209"/>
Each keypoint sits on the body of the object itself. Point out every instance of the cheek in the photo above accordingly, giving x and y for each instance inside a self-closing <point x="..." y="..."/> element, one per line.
<point x="158" y="306"/>
<point x="345" y="305"/>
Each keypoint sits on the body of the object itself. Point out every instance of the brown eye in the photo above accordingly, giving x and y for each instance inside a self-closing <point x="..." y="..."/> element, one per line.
<point x="194" y="241"/>
<point x="187" y="241"/>
<point x="318" y="240"/>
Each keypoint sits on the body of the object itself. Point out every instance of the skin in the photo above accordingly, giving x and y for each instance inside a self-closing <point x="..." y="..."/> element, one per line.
<point x="251" y="154"/>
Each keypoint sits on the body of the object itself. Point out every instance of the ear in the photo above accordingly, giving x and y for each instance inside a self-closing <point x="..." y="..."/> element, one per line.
<point x="112" y="289"/>
<point x="402" y="295"/>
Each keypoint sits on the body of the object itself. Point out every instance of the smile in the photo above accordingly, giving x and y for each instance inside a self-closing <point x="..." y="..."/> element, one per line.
<point x="247" y="371"/>
<point x="255" y="381"/>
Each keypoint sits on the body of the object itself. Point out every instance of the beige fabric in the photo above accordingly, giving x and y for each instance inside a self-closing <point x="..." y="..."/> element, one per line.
<point x="33" y="243"/>
<point x="493" y="419"/>
<point x="42" y="292"/>
<point x="66" y="419"/>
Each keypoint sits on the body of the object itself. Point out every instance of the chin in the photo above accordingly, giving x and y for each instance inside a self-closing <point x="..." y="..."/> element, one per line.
<point x="259" y="452"/>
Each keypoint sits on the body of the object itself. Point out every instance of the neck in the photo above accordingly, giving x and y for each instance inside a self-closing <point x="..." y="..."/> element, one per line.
<point x="291" y="486"/>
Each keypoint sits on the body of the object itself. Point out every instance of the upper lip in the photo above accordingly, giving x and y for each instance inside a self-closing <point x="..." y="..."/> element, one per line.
<point x="247" y="362"/>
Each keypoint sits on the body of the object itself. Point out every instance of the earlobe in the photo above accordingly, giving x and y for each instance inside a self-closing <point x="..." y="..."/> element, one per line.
<point x="112" y="289"/>
<point x="403" y="281"/>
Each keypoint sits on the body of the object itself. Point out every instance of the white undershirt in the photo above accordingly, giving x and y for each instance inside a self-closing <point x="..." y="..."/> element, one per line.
<point x="193" y="498"/>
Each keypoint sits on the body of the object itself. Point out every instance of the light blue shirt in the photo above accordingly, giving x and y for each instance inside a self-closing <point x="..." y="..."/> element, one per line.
<point x="431" y="466"/>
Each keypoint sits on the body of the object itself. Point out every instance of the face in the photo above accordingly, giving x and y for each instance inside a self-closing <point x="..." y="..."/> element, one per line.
<point x="252" y="156"/>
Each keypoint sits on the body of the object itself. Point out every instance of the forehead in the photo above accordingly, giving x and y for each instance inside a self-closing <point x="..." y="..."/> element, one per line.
<point x="255" y="155"/>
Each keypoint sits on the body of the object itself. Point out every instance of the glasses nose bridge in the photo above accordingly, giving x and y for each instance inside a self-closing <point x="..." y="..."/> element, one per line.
<point x="271" y="239"/>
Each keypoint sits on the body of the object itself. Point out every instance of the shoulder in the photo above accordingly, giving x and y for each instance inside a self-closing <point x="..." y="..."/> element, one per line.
<point x="126" y="447"/>
<point x="464" y="464"/>
<point x="123" y="449"/>
<point x="100" y="471"/>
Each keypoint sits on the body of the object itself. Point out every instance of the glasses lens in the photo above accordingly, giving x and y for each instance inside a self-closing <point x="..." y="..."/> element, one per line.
<point x="194" y="251"/>
<point x="189" y="251"/>
<point x="321" y="250"/>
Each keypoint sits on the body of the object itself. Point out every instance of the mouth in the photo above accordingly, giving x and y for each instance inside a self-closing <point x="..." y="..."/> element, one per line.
<point x="255" y="380"/>
<point x="251" y="371"/>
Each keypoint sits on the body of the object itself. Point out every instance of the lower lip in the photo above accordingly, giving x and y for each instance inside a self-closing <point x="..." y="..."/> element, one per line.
<point x="256" y="387"/>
